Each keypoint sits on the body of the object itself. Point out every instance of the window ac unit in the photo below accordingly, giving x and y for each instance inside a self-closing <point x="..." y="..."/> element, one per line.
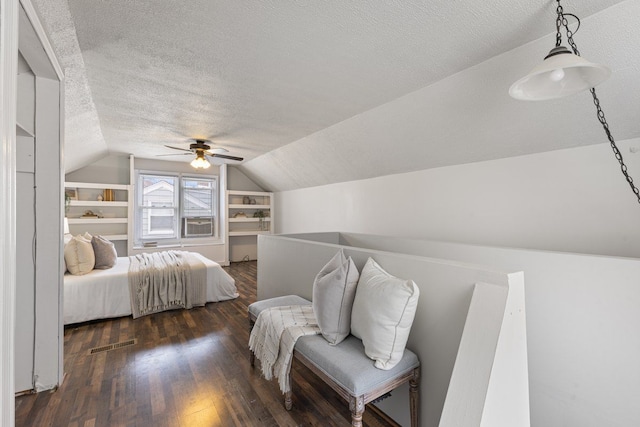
<point x="197" y="227"/>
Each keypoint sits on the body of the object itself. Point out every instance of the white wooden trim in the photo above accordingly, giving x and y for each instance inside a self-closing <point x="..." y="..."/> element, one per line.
<point x="249" y="193"/>
<point x="49" y="332"/>
<point x="242" y="206"/>
<point x="8" y="99"/>
<point x="42" y="35"/>
<point x="223" y="211"/>
<point x="131" y="199"/>
<point x="97" y="220"/>
<point x="248" y="233"/>
<point x="98" y="204"/>
<point x="69" y="184"/>
<point x="249" y="219"/>
<point x="469" y="382"/>
<point x="61" y="262"/>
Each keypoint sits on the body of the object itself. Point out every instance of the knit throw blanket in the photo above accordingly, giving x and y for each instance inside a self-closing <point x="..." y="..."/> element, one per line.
<point x="162" y="281"/>
<point x="275" y="334"/>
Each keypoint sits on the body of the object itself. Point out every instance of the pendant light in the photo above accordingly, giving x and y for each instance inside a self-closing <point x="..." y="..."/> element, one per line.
<point x="561" y="74"/>
<point x="564" y="73"/>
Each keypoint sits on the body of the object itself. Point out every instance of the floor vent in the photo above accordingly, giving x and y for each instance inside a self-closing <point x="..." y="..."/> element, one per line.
<point x="112" y="346"/>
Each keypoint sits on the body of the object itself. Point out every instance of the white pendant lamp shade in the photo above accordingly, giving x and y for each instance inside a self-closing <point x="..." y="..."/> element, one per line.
<point x="561" y="74"/>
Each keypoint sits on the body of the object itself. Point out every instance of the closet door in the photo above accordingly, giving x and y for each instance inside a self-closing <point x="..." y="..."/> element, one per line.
<point x="25" y="267"/>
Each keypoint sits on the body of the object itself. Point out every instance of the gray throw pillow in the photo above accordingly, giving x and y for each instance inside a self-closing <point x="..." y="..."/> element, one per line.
<point x="333" y="291"/>
<point x="105" y="251"/>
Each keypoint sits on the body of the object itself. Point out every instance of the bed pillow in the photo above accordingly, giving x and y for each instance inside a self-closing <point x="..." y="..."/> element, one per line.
<point x="105" y="252"/>
<point x="333" y="291"/>
<point x="79" y="256"/>
<point x="66" y="239"/>
<point x="382" y="314"/>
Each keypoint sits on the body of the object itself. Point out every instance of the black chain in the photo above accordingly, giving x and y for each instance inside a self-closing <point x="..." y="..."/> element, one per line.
<point x="561" y="21"/>
<point x="614" y="147"/>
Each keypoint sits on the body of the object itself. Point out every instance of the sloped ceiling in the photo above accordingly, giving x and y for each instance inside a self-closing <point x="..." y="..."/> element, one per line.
<point x="314" y="92"/>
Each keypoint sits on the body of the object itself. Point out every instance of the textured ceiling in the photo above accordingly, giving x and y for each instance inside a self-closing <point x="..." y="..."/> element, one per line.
<point x="313" y="92"/>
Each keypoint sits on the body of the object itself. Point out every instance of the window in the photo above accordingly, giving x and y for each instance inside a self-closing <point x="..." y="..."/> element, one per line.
<point x="171" y="207"/>
<point x="197" y="197"/>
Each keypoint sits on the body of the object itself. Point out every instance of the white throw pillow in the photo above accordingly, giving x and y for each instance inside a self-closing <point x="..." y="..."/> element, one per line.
<point x="333" y="291"/>
<point x="66" y="239"/>
<point x="382" y="314"/>
<point x="79" y="256"/>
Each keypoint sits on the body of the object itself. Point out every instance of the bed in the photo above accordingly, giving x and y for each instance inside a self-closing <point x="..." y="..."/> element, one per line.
<point x="102" y="294"/>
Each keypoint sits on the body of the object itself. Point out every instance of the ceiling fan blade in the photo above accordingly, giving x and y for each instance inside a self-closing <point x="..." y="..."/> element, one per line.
<point x="177" y="154"/>
<point x="216" y="150"/>
<point x="224" y="156"/>
<point x="176" y="148"/>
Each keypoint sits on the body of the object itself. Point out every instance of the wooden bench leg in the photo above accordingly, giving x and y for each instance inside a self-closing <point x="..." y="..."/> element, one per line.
<point x="356" y="405"/>
<point x="252" y="356"/>
<point x="288" y="404"/>
<point x="414" y="396"/>
<point x="287" y="396"/>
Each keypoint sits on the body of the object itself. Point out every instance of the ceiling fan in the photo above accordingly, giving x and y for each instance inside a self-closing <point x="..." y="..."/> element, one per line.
<point x="202" y="149"/>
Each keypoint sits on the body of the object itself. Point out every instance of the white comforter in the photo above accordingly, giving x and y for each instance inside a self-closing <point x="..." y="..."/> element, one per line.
<point x="105" y="293"/>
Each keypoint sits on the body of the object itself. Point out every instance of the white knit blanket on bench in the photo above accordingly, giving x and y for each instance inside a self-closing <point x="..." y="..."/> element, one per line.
<point x="275" y="334"/>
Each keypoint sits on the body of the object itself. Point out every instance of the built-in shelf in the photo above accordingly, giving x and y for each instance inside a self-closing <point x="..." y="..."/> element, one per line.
<point x="248" y="233"/>
<point x="115" y="236"/>
<point x="22" y="131"/>
<point x="98" y="203"/>
<point x="243" y="206"/>
<point x="248" y="219"/>
<point x="247" y="202"/>
<point x="112" y="217"/>
<point x="97" y="220"/>
<point x="69" y="184"/>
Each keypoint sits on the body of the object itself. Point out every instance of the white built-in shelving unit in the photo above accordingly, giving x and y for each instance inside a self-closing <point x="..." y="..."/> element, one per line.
<point x="243" y="220"/>
<point x="241" y="210"/>
<point x="112" y="216"/>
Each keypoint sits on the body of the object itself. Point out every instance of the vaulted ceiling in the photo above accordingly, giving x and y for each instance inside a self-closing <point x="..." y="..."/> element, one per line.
<point x="315" y="92"/>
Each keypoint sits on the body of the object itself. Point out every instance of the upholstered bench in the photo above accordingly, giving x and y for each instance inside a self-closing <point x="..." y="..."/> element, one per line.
<point x="345" y="367"/>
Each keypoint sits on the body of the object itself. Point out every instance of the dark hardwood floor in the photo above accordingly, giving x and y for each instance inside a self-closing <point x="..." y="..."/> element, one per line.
<point x="187" y="368"/>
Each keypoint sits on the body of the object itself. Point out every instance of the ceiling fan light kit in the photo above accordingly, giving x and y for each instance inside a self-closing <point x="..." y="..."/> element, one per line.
<point x="200" y="162"/>
<point x="564" y="73"/>
<point x="203" y="150"/>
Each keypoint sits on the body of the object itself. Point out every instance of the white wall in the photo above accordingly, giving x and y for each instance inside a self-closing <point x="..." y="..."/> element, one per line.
<point x="239" y="181"/>
<point x="113" y="169"/>
<point x="582" y="353"/>
<point x="572" y="200"/>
